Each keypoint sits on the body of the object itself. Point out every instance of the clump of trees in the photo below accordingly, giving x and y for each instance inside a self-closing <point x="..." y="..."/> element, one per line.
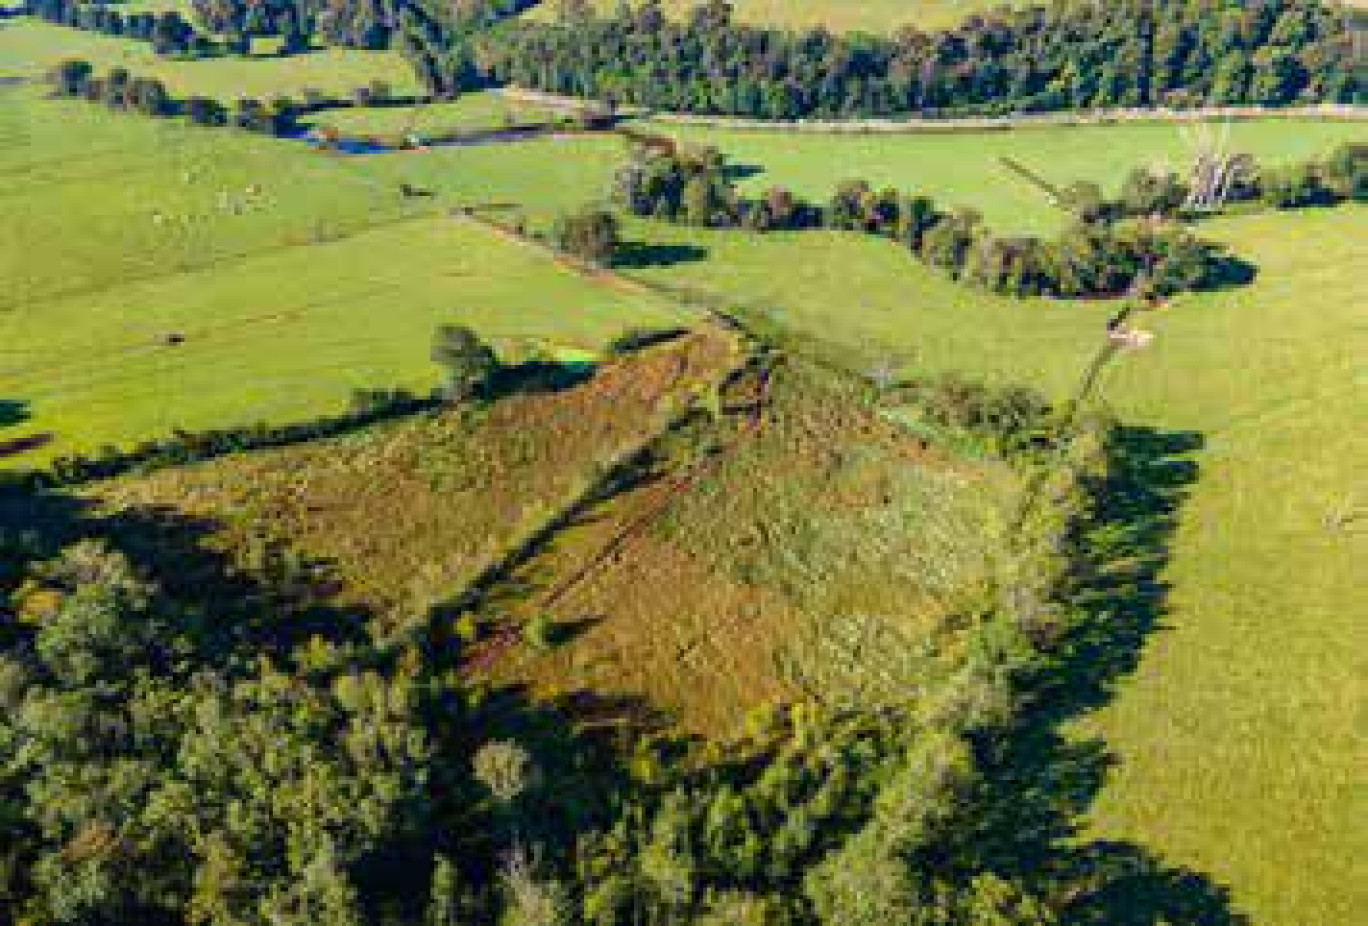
<point x="469" y="363"/>
<point x="1341" y="176"/>
<point x="1062" y="55"/>
<point x="1130" y="245"/>
<point x="591" y="234"/>
<point x="117" y="89"/>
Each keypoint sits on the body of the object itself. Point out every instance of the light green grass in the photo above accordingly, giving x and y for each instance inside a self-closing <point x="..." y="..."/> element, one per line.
<point x="472" y="112"/>
<point x="286" y="335"/>
<point x="83" y="189"/>
<point x="279" y="321"/>
<point x="32" y="46"/>
<point x="876" y="16"/>
<point x="1241" y="737"/>
<point x="964" y="168"/>
<point x="542" y="177"/>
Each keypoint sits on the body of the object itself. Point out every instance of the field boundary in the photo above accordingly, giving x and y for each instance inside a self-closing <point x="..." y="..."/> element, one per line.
<point x="915" y="124"/>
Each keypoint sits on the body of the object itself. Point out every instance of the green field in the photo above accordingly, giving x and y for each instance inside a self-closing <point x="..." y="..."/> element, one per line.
<point x="323" y="280"/>
<point x="965" y="168"/>
<point x="876" y="16"/>
<point x="1240" y="737"/>
<point x="32" y="46"/>
<point x="472" y="112"/>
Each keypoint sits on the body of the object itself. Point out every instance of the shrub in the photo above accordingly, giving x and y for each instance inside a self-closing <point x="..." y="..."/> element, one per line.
<point x="471" y="364"/>
<point x="590" y="234"/>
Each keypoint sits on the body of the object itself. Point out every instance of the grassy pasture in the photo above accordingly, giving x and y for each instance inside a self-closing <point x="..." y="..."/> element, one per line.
<point x="32" y="46"/>
<point x="876" y="16"/>
<point x="964" y="168"/>
<point x="94" y="199"/>
<point x="322" y="280"/>
<point x="287" y="334"/>
<point x="472" y="112"/>
<point x="1239" y="738"/>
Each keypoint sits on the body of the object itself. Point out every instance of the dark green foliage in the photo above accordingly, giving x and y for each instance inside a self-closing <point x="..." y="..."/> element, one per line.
<point x="1013" y="418"/>
<point x="1293" y="187"/>
<point x="1060" y="56"/>
<point x="591" y="235"/>
<point x="1345" y="172"/>
<point x="71" y="77"/>
<point x="120" y="90"/>
<point x="1146" y="192"/>
<point x="469" y="362"/>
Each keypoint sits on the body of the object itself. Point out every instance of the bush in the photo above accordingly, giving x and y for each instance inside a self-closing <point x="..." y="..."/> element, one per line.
<point x="590" y="234"/>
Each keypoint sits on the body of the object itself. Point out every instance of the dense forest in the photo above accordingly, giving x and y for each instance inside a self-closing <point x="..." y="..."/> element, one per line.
<point x="1067" y="55"/>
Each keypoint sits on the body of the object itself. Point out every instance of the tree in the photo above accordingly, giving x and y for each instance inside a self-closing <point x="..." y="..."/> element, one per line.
<point x="470" y="363"/>
<point x="206" y="112"/>
<point x="148" y="96"/>
<point x="1146" y="192"/>
<point x="590" y="234"/>
<point x="71" y="76"/>
<point x="1345" y="172"/>
<point x="505" y="769"/>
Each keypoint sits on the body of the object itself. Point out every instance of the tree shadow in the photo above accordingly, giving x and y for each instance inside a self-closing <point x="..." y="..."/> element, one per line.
<point x="638" y="255"/>
<point x="1232" y="272"/>
<point x="1040" y="780"/>
<point x="736" y="172"/>
<point x="539" y="376"/>
<point x="227" y="612"/>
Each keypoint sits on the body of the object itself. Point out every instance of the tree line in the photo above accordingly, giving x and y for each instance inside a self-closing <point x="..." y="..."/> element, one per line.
<point x="1065" y="55"/>
<point x="168" y="32"/>
<point x="119" y="89"/>
<point x="76" y="78"/>
<point x="1136" y="243"/>
<point x="181" y="745"/>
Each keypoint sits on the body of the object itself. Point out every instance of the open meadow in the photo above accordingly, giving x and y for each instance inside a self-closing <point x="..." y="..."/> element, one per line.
<point x="33" y="46"/>
<point x="286" y="278"/>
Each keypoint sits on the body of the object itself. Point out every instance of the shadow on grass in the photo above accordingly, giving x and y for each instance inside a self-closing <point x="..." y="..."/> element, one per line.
<point x="638" y="255"/>
<point x="736" y="172"/>
<point x="1232" y="273"/>
<point x="537" y="376"/>
<point x="1039" y="781"/>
